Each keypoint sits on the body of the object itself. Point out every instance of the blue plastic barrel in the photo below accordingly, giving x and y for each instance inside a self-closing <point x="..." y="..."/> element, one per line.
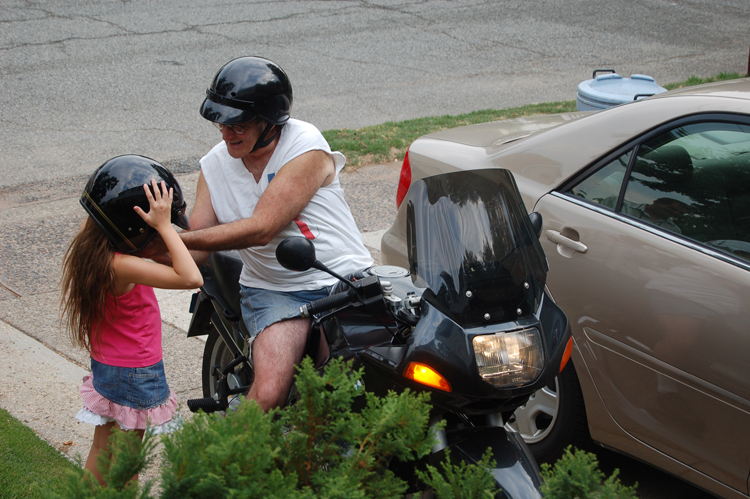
<point x="610" y="89"/>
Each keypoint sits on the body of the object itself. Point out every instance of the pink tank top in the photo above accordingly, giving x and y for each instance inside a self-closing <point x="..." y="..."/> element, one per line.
<point x="131" y="333"/>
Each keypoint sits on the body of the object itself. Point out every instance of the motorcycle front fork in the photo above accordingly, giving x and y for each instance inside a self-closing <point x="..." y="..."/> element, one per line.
<point x="440" y="434"/>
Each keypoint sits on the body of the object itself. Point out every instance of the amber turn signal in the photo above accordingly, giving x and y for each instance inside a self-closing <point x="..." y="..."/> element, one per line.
<point x="422" y="373"/>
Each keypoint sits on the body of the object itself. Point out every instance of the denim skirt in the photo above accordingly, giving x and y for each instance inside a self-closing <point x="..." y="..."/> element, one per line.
<point x="136" y="387"/>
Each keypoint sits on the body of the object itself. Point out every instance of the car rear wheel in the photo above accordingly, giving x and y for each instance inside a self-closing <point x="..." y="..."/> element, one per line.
<point x="553" y="418"/>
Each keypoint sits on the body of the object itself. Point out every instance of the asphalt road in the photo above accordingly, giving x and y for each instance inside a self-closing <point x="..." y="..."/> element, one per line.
<point x="87" y="80"/>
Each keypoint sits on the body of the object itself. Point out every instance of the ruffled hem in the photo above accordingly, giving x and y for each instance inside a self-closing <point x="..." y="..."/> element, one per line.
<point x="86" y="416"/>
<point x="99" y="410"/>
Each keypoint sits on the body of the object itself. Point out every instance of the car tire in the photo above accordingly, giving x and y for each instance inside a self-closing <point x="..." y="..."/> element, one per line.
<point x="554" y="418"/>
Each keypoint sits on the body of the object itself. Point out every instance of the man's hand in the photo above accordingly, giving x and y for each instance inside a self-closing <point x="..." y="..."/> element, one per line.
<point x="153" y="249"/>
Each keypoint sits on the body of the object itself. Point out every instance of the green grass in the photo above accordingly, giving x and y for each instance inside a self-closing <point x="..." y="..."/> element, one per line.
<point x="697" y="80"/>
<point x="26" y="459"/>
<point x="387" y="142"/>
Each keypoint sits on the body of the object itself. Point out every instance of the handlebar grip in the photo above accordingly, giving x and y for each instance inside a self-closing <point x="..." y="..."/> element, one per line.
<point x="206" y="404"/>
<point x="329" y="302"/>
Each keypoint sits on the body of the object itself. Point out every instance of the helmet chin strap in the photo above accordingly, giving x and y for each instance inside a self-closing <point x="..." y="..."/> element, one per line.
<point x="264" y="140"/>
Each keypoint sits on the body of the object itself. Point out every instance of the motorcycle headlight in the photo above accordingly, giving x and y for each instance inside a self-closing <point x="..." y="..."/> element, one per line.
<point x="509" y="359"/>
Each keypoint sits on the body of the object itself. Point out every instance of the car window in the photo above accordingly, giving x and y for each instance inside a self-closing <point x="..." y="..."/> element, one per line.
<point x="659" y="185"/>
<point x="693" y="181"/>
<point x="603" y="186"/>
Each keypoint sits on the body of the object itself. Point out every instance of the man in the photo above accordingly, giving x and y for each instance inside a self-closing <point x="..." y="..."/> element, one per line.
<point x="270" y="178"/>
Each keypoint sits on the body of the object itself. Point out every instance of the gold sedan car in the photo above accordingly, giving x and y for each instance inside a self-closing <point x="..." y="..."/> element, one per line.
<point x="646" y="227"/>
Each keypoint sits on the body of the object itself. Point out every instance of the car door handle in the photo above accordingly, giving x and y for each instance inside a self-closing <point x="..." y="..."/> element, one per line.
<point x="558" y="238"/>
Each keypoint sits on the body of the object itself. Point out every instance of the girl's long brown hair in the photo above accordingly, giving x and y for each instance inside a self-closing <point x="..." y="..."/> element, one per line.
<point x="87" y="278"/>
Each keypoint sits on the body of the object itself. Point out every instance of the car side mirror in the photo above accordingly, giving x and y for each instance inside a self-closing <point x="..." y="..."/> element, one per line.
<point x="536" y="222"/>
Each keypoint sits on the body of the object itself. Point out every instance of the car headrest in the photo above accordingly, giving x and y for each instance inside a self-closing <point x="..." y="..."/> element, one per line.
<point x="670" y="164"/>
<point x="671" y="161"/>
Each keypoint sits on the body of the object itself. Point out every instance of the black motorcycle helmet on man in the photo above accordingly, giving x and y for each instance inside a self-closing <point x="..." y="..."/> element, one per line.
<point x="246" y="89"/>
<point x="116" y="187"/>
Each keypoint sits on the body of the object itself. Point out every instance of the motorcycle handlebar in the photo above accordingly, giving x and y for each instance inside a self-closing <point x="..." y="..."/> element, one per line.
<point x="327" y="303"/>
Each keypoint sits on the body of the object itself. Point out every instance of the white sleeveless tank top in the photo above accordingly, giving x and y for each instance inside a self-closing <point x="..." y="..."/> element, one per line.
<point x="326" y="220"/>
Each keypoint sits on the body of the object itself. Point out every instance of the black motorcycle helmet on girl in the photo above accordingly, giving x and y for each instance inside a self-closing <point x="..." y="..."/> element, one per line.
<point x="116" y="187"/>
<point x="248" y="88"/>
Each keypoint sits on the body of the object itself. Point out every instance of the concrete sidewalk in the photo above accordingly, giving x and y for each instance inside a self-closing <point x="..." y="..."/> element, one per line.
<point x="40" y="385"/>
<point x="40" y="388"/>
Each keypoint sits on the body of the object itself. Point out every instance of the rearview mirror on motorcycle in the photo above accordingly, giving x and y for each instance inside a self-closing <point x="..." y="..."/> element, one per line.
<point x="297" y="253"/>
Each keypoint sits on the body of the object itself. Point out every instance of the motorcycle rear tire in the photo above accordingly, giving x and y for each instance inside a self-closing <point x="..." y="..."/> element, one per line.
<point x="216" y="352"/>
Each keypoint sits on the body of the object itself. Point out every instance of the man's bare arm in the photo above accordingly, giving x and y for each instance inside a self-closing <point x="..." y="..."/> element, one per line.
<point x="286" y="196"/>
<point x="202" y="217"/>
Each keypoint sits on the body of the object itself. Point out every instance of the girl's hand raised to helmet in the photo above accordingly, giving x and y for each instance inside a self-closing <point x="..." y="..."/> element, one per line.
<point x="184" y="273"/>
<point x="159" y="215"/>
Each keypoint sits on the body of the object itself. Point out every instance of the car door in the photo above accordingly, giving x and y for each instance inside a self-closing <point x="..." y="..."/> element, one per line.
<point x="649" y="254"/>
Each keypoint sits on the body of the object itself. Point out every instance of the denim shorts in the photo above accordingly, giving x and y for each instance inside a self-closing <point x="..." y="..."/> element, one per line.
<point x="136" y="387"/>
<point x="262" y="307"/>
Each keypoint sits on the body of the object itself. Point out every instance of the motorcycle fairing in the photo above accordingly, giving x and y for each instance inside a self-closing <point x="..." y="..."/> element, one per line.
<point x="471" y="243"/>
<point x="446" y="346"/>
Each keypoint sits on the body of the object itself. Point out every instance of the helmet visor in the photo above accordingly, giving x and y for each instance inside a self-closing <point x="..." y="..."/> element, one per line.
<point x="226" y="111"/>
<point x="179" y="218"/>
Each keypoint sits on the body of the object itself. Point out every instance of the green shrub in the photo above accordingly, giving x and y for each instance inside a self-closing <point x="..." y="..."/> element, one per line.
<point x="131" y="455"/>
<point x="462" y="481"/>
<point x="576" y="475"/>
<point x="318" y="448"/>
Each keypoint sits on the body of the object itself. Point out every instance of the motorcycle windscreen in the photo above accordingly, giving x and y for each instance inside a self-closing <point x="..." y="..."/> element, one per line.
<point x="471" y="243"/>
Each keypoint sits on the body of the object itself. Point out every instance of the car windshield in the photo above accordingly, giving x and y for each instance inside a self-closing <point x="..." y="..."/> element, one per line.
<point x="471" y="243"/>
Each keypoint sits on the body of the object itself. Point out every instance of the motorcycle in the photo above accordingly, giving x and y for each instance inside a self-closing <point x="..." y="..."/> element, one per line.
<point x="470" y="321"/>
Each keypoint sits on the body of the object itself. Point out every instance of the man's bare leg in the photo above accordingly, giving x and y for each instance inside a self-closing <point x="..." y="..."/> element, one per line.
<point x="276" y="352"/>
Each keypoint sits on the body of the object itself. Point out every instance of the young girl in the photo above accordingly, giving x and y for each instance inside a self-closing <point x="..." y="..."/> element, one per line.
<point x="108" y="300"/>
